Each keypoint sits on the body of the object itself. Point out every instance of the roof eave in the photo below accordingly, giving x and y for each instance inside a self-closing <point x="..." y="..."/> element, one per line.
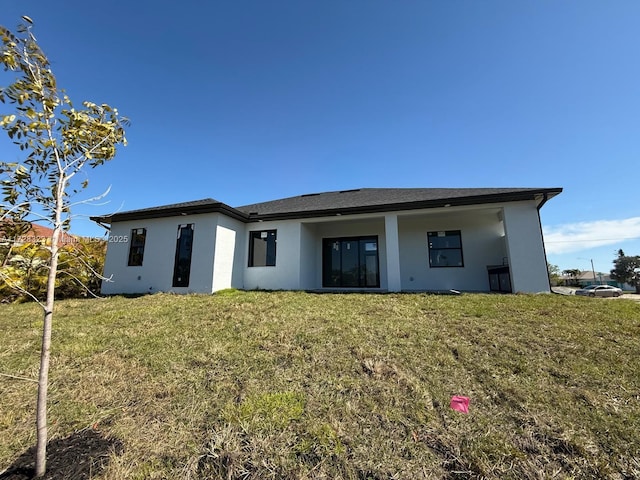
<point x="539" y="195"/>
<point x="418" y="205"/>
<point x="172" y="212"/>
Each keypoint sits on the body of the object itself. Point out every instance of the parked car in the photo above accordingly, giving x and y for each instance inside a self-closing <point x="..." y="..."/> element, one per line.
<point x="599" y="291"/>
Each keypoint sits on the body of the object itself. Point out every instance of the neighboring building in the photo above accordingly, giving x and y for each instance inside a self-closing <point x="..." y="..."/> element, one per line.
<point x="33" y="233"/>
<point x="588" y="277"/>
<point x="474" y="239"/>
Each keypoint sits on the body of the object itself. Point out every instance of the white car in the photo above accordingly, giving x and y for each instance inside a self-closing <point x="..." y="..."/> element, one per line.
<point x="599" y="291"/>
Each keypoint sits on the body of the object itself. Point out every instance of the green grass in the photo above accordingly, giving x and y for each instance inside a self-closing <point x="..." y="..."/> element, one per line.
<point x="258" y="385"/>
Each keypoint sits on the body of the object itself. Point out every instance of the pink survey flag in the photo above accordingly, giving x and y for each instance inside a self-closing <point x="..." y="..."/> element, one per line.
<point x="460" y="404"/>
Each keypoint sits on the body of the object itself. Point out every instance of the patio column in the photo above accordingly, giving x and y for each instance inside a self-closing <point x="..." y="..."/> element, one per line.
<point x="393" y="252"/>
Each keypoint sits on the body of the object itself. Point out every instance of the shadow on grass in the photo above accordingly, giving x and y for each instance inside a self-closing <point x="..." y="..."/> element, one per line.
<point x="80" y="456"/>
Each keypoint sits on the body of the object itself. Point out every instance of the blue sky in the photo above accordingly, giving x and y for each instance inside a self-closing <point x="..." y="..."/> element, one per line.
<point x="248" y="101"/>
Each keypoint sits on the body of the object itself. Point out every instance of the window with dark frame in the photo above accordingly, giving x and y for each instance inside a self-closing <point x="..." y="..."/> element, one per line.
<point x="184" y="247"/>
<point x="445" y="249"/>
<point x="136" y="247"/>
<point x="262" y="248"/>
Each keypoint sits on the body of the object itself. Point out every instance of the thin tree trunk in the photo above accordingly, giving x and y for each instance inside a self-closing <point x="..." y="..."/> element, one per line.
<point x="43" y="385"/>
<point x="45" y="354"/>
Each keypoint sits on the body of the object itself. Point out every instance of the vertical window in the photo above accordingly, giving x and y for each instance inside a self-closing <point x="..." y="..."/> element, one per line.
<point x="262" y="248"/>
<point x="136" y="247"/>
<point x="445" y="249"/>
<point x="182" y="265"/>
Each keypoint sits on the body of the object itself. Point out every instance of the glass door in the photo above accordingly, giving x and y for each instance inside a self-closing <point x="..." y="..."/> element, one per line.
<point x="369" y="275"/>
<point x="350" y="262"/>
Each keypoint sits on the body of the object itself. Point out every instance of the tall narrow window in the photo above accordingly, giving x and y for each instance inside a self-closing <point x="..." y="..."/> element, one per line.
<point x="136" y="247"/>
<point x="182" y="265"/>
<point x="445" y="249"/>
<point x="262" y="248"/>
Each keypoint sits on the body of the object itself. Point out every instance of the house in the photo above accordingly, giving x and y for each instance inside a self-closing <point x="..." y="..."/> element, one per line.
<point x="19" y="234"/>
<point x="372" y="239"/>
<point x="589" y="277"/>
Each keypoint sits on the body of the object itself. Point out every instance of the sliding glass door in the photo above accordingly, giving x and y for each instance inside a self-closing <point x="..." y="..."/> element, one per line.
<point x="350" y="262"/>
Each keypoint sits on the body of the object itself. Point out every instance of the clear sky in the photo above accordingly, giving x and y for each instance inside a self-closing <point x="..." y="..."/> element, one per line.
<point x="252" y="100"/>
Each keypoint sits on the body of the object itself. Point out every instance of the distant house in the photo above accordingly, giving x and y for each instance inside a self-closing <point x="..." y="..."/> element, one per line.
<point x="33" y="233"/>
<point x="370" y="239"/>
<point x="588" y="277"/>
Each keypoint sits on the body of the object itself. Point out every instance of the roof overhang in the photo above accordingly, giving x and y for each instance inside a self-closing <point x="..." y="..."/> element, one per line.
<point x="540" y="196"/>
<point x="171" y="211"/>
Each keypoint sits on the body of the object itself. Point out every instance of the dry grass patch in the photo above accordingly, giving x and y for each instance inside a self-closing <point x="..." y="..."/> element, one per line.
<point x="255" y="385"/>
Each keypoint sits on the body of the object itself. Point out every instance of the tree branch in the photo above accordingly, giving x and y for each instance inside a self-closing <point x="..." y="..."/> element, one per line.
<point x="79" y="282"/>
<point x="19" y="378"/>
<point x="13" y="285"/>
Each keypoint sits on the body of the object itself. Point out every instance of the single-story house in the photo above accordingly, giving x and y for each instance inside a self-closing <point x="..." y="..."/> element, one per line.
<point x="371" y="239"/>
<point x="589" y="277"/>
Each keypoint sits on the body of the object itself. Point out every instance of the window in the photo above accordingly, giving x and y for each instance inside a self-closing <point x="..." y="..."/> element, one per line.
<point x="182" y="265"/>
<point x="445" y="249"/>
<point x="136" y="247"/>
<point x="262" y="248"/>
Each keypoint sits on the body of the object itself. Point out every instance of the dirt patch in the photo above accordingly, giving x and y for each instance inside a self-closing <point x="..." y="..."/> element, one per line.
<point x="80" y="456"/>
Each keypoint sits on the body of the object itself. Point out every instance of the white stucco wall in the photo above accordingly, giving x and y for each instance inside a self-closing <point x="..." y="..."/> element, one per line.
<point x="156" y="272"/>
<point x="223" y="258"/>
<point x="392" y="251"/>
<point x="308" y="246"/>
<point x="285" y="275"/>
<point x="482" y="245"/>
<point x="525" y="248"/>
<point x="220" y="250"/>
<point x="229" y="254"/>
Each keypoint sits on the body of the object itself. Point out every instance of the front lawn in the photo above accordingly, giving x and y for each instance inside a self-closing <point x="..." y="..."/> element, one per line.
<point x="259" y="385"/>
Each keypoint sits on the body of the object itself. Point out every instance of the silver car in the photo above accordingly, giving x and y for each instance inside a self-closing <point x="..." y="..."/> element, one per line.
<point x="599" y="291"/>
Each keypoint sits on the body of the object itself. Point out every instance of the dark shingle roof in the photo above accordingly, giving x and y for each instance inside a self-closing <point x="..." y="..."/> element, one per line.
<point x="205" y="205"/>
<point x="345" y="202"/>
<point x="364" y="200"/>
